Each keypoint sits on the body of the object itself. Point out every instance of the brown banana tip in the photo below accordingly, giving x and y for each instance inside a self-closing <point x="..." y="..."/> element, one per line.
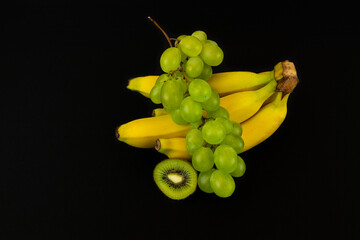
<point x="117" y="135"/>
<point x="153" y="113"/>
<point x="289" y="78"/>
<point x="157" y="145"/>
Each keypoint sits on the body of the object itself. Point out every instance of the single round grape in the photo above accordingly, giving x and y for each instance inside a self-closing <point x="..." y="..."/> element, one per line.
<point x="213" y="103"/>
<point x="213" y="132"/>
<point x="240" y="168"/>
<point x="194" y="67"/>
<point x="155" y="93"/>
<point x="171" y="95"/>
<point x="194" y="140"/>
<point x="225" y="158"/>
<point x="199" y="90"/>
<point x="204" y="181"/>
<point x="226" y="123"/>
<point x="212" y="54"/>
<point x="220" y="112"/>
<point x="170" y="59"/>
<point x="237" y="129"/>
<point x="190" y="110"/>
<point x="206" y="72"/>
<point x="190" y="46"/>
<point x="201" y="35"/>
<point x="203" y="159"/>
<point x="210" y="42"/>
<point x="236" y="142"/>
<point x="222" y="183"/>
<point x="176" y="117"/>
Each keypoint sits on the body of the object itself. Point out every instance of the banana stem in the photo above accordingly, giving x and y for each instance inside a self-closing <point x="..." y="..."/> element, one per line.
<point x="286" y="75"/>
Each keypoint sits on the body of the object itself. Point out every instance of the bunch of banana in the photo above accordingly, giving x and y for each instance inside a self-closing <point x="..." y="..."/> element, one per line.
<point x="256" y="100"/>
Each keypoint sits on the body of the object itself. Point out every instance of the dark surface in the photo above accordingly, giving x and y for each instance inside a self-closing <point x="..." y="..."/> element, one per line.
<point x="64" y="71"/>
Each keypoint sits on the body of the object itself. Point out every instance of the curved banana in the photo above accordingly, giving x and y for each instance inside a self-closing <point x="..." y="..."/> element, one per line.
<point x="265" y="122"/>
<point x="144" y="132"/>
<point x="255" y="130"/>
<point x="173" y="147"/>
<point x="158" y="112"/>
<point x="224" y="83"/>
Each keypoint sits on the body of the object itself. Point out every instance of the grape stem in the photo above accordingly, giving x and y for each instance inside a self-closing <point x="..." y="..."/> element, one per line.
<point x="158" y="26"/>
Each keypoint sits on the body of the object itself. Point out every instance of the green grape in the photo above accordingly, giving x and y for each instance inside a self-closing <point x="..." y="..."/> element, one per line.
<point x="196" y="124"/>
<point x="179" y="39"/>
<point x="213" y="103"/>
<point x="176" y="117"/>
<point x="206" y="72"/>
<point x="155" y="93"/>
<point x="190" y="46"/>
<point x="203" y="159"/>
<point x="210" y="42"/>
<point x="179" y="78"/>
<point x="194" y="67"/>
<point x="162" y="78"/>
<point x="171" y="95"/>
<point x="236" y="142"/>
<point x="220" y="112"/>
<point x="225" y="158"/>
<point x="204" y="181"/>
<point x="240" y="168"/>
<point x="194" y="140"/>
<point x="199" y="90"/>
<point x="211" y="54"/>
<point x="213" y="132"/>
<point x="226" y="123"/>
<point x="170" y="59"/>
<point x="237" y="129"/>
<point x="222" y="183"/>
<point x="201" y="35"/>
<point x="190" y="110"/>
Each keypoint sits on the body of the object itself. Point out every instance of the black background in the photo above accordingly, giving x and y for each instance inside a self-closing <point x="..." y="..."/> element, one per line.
<point x="64" y="70"/>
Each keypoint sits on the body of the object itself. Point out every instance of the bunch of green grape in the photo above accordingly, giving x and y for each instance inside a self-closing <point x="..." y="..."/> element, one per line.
<point x="183" y="91"/>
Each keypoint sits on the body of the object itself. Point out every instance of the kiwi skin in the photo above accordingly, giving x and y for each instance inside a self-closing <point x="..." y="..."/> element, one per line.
<point x="176" y="178"/>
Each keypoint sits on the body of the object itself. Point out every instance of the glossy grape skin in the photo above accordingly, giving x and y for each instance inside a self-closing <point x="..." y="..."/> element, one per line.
<point x="170" y="59"/>
<point x="213" y="132"/>
<point x="206" y="72"/>
<point x="171" y="95"/>
<point x="176" y="117"/>
<point x="220" y="112"/>
<point x="212" y="54"/>
<point x="237" y="129"/>
<point x="201" y="35"/>
<point x="203" y="159"/>
<point x="240" y="168"/>
<point x="236" y="142"/>
<point x="222" y="183"/>
<point x="213" y="103"/>
<point x="200" y="90"/>
<point x="226" y="123"/>
<point x="190" y="46"/>
<point x="194" y="67"/>
<point x="155" y="93"/>
<point x="190" y="110"/>
<point x="225" y="158"/>
<point x="204" y="181"/>
<point x="194" y="140"/>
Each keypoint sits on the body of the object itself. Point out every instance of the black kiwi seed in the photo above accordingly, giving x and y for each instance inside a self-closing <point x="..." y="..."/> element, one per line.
<point x="176" y="178"/>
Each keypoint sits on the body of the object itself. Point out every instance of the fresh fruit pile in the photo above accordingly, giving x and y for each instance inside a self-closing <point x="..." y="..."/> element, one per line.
<point x="207" y="119"/>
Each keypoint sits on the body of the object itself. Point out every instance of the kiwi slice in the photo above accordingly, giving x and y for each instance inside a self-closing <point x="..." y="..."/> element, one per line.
<point x="176" y="178"/>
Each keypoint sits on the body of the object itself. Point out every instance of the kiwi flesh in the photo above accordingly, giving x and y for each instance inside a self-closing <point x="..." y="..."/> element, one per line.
<point x="176" y="178"/>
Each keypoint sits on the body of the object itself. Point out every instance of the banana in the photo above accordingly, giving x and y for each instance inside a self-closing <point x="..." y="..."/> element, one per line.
<point x="255" y="130"/>
<point x="224" y="83"/>
<point x="173" y="147"/>
<point x="144" y="132"/>
<point x="158" y="112"/>
<point x="264" y="123"/>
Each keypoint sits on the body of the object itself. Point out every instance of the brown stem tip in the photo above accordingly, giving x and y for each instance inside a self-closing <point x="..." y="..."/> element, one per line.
<point x="289" y="78"/>
<point x="157" y="145"/>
